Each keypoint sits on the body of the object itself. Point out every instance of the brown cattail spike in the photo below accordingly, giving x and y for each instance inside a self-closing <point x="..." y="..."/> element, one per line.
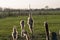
<point x="14" y="33"/>
<point x="22" y="27"/>
<point x="30" y="23"/>
<point x="47" y="30"/>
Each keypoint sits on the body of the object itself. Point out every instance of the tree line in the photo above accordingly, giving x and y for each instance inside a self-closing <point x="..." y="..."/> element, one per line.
<point x="6" y="12"/>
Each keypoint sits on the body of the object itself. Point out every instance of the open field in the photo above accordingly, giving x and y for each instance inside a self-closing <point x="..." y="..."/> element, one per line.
<point x="6" y="25"/>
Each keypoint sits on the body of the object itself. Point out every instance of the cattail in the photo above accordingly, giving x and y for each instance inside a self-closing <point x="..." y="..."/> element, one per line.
<point x="26" y="35"/>
<point x="14" y="33"/>
<point x="22" y="24"/>
<point x="22" y="27"/>
<point x="30" y="23"/>
<point x="47" y="30"/>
